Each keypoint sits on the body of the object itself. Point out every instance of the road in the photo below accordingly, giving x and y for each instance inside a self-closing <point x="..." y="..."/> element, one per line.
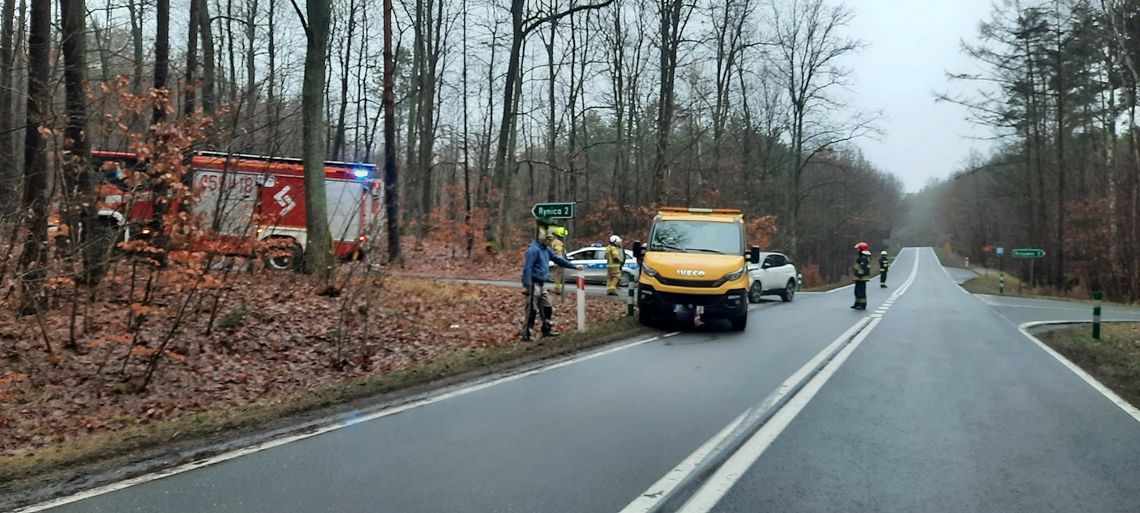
<point x="938" y="404"/>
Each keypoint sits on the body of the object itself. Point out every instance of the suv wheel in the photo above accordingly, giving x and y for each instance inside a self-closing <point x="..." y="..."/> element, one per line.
<point x="789" y="292"/>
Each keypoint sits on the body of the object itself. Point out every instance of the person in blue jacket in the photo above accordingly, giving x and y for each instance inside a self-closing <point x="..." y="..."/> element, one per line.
<point x="536" y="270"/>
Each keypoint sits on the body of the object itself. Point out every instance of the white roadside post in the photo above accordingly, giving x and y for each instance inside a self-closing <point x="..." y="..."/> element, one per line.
<point x="581" y="301"/>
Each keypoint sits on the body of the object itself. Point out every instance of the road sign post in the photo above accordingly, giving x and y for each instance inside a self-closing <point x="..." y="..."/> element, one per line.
<point x="581" y="301"/>
<point x="1096" y="315"/>
<point x="629" y="293"/>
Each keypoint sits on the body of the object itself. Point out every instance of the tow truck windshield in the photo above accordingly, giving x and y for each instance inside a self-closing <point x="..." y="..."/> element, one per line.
<point x="697" y="237"/>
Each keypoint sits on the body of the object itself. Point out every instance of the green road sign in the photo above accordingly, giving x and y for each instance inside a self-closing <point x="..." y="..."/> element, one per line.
<point x="553" y="210"/>
<point x="1029" y="253"/>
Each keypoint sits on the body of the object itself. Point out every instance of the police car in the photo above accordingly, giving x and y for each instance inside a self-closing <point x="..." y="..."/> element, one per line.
<point x="593" y="258"/>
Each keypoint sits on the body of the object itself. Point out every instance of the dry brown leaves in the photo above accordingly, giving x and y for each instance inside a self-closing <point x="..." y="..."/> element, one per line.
<point x="272" y="336"/>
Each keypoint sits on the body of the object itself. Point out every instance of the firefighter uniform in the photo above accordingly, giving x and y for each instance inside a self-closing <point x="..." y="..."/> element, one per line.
<point x="862" y="275"/>
<point x="558" y="246"/>
<point x="884" y="264"/>
<point x="615" y="258"/>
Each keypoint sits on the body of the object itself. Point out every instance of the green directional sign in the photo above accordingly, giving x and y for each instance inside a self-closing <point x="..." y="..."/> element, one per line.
<point x="553" y="210"/>
<point x="1028" y="253"/>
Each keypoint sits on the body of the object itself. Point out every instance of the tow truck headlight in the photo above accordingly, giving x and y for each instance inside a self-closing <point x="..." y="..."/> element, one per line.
<point x="733" y="276"/>
<point x="649" y="270"/>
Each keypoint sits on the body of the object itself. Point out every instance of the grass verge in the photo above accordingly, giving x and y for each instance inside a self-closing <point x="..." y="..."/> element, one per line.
<point x="1114" y="360"/>
<point x="991" y="284"/>
<point x="87" y="462"/>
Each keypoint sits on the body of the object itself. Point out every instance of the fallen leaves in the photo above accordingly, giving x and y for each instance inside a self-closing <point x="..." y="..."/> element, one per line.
<point x="286" y="339"/>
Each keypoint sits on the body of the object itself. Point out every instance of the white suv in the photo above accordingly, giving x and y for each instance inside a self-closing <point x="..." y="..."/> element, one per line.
<point x="775" y="275"/>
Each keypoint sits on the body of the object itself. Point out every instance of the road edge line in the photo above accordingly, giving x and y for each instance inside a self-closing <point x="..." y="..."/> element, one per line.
<point x="1088" y="378"/>
<point x="423" y="400"/>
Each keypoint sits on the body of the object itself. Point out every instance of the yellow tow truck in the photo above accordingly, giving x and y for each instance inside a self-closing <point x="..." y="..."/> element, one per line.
<point x="695" y="262"/>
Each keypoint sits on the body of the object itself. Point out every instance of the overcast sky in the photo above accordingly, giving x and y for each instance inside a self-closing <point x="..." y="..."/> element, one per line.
<point x="912" y="44"/>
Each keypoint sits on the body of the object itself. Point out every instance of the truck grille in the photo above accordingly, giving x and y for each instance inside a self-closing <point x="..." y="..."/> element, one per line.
<point x="690" y="283"/>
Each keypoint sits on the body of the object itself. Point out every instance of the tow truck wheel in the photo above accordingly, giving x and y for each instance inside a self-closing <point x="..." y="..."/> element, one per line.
<point x="740" y="323"/>
<point x="644" y="317"/>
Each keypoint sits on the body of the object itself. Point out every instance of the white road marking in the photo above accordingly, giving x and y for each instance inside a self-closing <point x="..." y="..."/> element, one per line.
<point x="832" y="291"/>
<point x="728" y="474"/>
<point x="1105" y="391"/>
<point x="648" y="500"/>
<point x="772" y="428"/>
<point x="269" y="444"/>
<point x="660" y="490"/>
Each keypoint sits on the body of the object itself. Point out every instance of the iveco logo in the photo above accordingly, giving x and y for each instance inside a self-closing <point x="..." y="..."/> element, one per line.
<point x="690" y="272"/>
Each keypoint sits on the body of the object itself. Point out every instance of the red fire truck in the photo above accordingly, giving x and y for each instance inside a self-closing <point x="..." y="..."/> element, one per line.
<point x="248" y="198"/>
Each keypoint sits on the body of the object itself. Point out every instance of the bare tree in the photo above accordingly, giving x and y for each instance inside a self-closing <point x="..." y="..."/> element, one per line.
<point x="809" y="48"/>
<point x="161" y="53"/>
<point x="521" y="27"/>
<point x="319" y="258"/>
<point x="33" y="261"/>
<point x="673" y="16"/>
<point x="190" y="98"/>
<point x="391" y="196"/>
<point x="77" y="156"/>
<point x="9" y="176"/>
<point x="209" y="64"/>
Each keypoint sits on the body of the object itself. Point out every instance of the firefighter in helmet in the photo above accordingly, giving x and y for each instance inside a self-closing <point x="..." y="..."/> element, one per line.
<point x="862" y="274"/>
<point x="558" y="247"/>
<point x="615" y="258"/>
<point x="884" y="264"/>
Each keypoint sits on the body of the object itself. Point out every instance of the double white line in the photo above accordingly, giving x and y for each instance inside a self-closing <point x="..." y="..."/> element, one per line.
<point x="726" y="457"/>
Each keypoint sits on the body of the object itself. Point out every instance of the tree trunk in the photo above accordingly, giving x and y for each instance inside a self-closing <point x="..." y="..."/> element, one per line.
<point x="552" y="122"/>
<point x="209" y="62"/>
<point x="669" y="12"/>
<point x="345" y="63"/>
<point x="433" y="46"/>
<point x="33" y="261"/>
<point x="9" y="176"/>
<point x="501" y="174"/>
<point x="391" y="198"/>
<point x="95" y="243"/>
<point x="232" y="82"/>
<point x="319" y="248"/>
<point x="161" y="54"/>
<point x="271" y="80"/>
<point x="135" y="9"/>
<point x="190" y="99"/>
<point x="251" y="67"/>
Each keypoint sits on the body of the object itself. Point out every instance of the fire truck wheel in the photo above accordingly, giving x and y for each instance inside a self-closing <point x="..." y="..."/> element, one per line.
<point x="291" y="262"/>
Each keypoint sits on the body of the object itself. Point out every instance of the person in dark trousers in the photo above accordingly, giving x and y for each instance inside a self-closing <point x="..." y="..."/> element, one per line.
<point x="536" y="270"/>
<point x="884" y="264"/>
<point x="862" y="275"/>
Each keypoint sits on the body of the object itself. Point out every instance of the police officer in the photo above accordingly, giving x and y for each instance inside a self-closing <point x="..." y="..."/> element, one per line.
<point x="615" y="258"/>
<point x="862" y="275"/>
<point x="884" y="264"/>
<point x="558" y="246"/>
<point x="536" y="270"/>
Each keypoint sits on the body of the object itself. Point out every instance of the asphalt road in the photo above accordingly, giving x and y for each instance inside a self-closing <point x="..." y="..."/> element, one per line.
<point x="947" y="407"/>
<point x="944" y="407"/>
